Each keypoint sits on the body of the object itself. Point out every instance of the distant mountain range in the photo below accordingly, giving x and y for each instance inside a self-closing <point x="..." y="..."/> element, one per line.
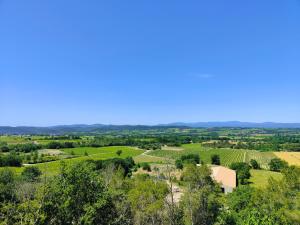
<point x="83" y="128"/>
<point x="237" y="124"/>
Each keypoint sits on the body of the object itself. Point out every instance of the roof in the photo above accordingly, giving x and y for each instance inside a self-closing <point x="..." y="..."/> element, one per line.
<point x="224" y="176"/>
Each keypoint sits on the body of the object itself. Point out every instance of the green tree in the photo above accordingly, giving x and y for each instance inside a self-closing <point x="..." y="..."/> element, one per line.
<point x="77" y="196"/>
<point x="240" y="198"/>
<point x="243" y="171"/>
<point x="254" y="164"/>
<point x="215" y="160"/>
<point x="197" y="176"/>
<point x="7" y="185"/>
<point x="200" y="202"/>
<point x="147" y="200"/>
<point x="277" y="164"/>
<point x="146" y="166"/>
<point x="179" y="164"/>
<point x="201" y="206"/>
<point x="31" y="174"/>
<point x="119" y="152"/>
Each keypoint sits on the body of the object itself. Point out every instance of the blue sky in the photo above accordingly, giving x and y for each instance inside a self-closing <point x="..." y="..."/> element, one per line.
<point x="148" y="62"/>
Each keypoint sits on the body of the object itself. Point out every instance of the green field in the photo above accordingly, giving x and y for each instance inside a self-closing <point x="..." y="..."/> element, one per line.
<point x="227" y="156"/>
<point x="51" y="168"/>
<point x="150" y="159"/>
<point x="14" y="139"/>
<point x="259" y="178"/>
<point x="93" y="153"/>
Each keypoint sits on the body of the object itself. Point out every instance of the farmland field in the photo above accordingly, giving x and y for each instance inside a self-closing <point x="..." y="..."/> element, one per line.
<point x="149" y="159"/>
<point x="293" y="158"/>
<point x="51" y="168"/>
<point x="14" y="139"/>
<point x="227" y="156"/>
<point x="107" y="152"/>
<point x="263" y="158"/>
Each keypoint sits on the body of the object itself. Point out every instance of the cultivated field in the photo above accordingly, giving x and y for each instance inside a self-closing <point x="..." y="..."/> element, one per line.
<point x="293" y="158"/>
<point x="149" y="159"/>
<point x="51" y="168"/>
<point x="263" y="158"/>
<point x="227" y="156"/>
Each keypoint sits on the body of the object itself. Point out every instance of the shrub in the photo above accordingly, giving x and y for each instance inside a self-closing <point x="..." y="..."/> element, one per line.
<point x="215" y="160"/>
<point x="119" y="152"/>
<point x="254" y="164"/>
<point x="191" y="158"/>
<point x="31" y="174"/>
<point x="277" y="164"/>
<point x="179" y="164"/>
<point x="146" y="167"/>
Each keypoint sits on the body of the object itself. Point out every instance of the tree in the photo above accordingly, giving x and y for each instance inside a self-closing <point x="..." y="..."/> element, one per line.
<point x="147" y="201"/>
<point x="119" y="152"/>
<point x="201" y="206"/>
<point x="240" y="198"/>
<point x="190" y="158"/>
<point x="31" y="174"/>
<point x="254" y="164"/>
<point x="243" y="171"/>
<point x="179" y="164"/>
<point x="146" y="166"/>
<point x="77" y="196"/>
<point x="7" y="185"/>
<point x="215" y="160"/>
<point x="200" y="202"/>
<point x="277" y="164"/>
<point x="11" y="159"/>
<point x="197" y="176"/>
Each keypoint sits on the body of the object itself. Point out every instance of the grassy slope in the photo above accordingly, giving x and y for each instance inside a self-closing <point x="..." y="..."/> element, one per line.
<point x="259" y="178"/>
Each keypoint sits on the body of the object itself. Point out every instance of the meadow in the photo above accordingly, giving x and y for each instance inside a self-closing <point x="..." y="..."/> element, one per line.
<point x="260" y="178"/>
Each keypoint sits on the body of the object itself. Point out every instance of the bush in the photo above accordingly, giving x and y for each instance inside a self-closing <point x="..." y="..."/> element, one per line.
<point x="12" y="159"/>
<point x="146" y="167"/>
<point x="127" y="164"/>
<point x="31" y="174"/>
<point x="179" y="164"/>
<point x="119" y="152"/>
<point x="277" y="165"/>
<point x="54" y="145"/>
<point x="254" y="164"/>
<point x="215" y="160"/>
<point x="191" y="158"/>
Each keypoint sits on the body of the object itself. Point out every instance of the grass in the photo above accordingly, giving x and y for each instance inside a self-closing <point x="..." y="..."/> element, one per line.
<point x="149" y="159"/>
<point x="16" y="170"/>
<point x="259" y="178"/>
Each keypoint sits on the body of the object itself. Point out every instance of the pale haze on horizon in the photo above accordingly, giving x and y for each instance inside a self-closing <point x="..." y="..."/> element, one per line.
<point x="148" y="62"/>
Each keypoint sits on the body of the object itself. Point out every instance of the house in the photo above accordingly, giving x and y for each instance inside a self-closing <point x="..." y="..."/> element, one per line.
<point x="225" y="177"/>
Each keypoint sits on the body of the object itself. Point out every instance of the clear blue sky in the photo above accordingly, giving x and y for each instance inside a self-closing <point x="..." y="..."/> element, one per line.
<point x="148" y="62"/>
